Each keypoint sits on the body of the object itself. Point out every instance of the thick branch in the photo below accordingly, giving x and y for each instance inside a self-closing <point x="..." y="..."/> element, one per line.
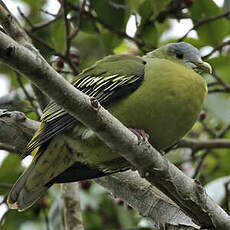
<point x="187" y="193"/>
<point x="12" y="27"/>
<point x="145" y="198"/>
<point x="19" y="120"/>
<point x="130" y="187"/>
<point x="11" y="134"/>
<point x="72" y="210"/>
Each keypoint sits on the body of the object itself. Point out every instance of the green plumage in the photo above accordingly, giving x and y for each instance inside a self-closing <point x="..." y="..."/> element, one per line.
<point x="159" y="93"/>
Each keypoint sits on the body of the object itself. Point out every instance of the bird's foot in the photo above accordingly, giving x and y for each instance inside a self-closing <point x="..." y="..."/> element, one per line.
<point x="141" y="134"/>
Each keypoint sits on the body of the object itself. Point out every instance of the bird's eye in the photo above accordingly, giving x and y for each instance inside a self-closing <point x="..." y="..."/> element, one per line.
<point x="179" y="55"/>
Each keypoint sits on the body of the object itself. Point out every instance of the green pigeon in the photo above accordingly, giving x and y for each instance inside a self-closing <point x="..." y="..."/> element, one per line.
<point x="161" y="93"/>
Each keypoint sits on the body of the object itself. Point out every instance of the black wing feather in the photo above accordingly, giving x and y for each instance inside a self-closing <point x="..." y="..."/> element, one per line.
<point x="105" y="87"/>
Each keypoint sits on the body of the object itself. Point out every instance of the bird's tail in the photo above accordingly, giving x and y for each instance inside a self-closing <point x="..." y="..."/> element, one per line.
<point x="20" y="197"/>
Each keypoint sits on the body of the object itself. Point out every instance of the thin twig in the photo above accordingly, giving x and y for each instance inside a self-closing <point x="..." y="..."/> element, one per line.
<point x="5" y="186"/>
<point x="220" y="80"/>
<point x="48" y="13"/>
<point x="46" y="45"/>
<point x="46" y="219"/>
<point x="210" y="131"/>
<point x="24" y="17"/>
<point x="30" y="99"/>
<point x="45" y="24"/>
<point x="213" y="84"/>
<point x="204" y="144"/>
<point x="202" y="22"/>
<point x="67" y="28"/>
<point x="200" y="163"/>
<point x="68" y="39"/>
<point x="122" y="34"/>
<point x="226" y="87"/>
<point x="202" y="158"/>
<point x="39" y="26"/>
<point x="77" y="28"/>
<point x="219" y="91"/>
<point x="7" y="147"/>
<point x="219" y="47"/>
<point x="222" y="132"/>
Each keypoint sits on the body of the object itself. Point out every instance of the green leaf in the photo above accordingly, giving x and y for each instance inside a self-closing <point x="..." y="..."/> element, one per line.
<point x="90" y="46"/>
<point x="10" y="170"/>
<point x="124" y="47"/>
<point x="87" y="25"/>
<point x="45" y="35"/>
<point x="6" y="70"/>
<point x="148" y="29"/>
<point x="58" y="35"/>
<point x="34" y="15"/>
<point x="149" y="33"/>
<point x="217" y="164"/>
<point x="221" y="66"/>
<point x="157" y="6"/>
<point x="35" y="4"/>
<point x="195" y="42"/>
<point x="126" y="217"/>
<point x="212" y="33"/>
<point x="111" y="13"/>
<point x="16" y="220"/>
<point x="149" y="9"/>
<point x="75" y="2"/>
<point x="134" y="4"/>
<point x="145" y="10"/>
<point x="110" y="41"/>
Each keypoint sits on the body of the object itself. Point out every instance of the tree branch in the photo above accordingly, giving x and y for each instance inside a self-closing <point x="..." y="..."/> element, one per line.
<point x="7" y="147"/>
<point x="72" y="209"/>
<point x="145" y="198"/>
<point x="13" y="28"/>
<point x="217" y="48"/>
<point x="207" y="144"/>
<point x="184" y="191"/>
<point x="204" y="21"/>
<point x="12" y="127"/>
<point x="19" y="120"/>
<point x="137" y="41"/>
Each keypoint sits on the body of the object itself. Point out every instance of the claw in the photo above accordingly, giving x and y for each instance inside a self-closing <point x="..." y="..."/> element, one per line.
<point x="141" y="134"/>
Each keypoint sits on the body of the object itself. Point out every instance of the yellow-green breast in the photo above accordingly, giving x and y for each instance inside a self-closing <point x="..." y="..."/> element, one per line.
<point x="166" y="106"/>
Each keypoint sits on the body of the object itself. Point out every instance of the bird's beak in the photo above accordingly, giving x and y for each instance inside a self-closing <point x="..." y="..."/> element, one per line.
<point x="204" y="67"/>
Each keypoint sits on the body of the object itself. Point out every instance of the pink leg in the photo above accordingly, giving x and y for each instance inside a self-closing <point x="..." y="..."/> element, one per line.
<point x="140" y="133"/>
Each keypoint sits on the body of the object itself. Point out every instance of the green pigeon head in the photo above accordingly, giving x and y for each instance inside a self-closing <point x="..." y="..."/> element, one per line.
<point x="185" y="53"/>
